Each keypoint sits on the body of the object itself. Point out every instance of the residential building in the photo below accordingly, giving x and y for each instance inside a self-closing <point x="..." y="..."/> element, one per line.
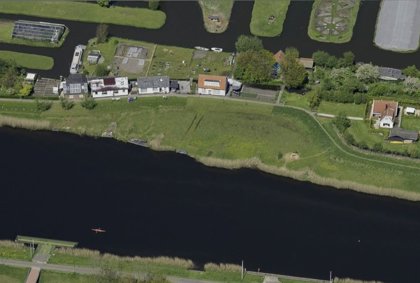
<point x="75" y="86"/>
<point x="398" y="135"/>
<point x="150" y="85"/>
<point x="385" y="112"/>
<point x="213" y="85"/>
<point x="109" y="87"/>
<point x="390" y="74"/>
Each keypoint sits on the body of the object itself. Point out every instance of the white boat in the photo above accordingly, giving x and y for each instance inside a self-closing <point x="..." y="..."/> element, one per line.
<point x="201" y="48"/>
<point x="216" y="49"/>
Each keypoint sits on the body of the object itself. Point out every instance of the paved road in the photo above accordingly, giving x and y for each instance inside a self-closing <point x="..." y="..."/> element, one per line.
<point x="333" y="116"/>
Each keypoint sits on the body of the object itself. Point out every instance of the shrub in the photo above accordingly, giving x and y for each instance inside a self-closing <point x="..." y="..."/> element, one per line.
<point x="342" y="122"/>
<point x="88" y="103"/>
<point x="246" y="42"/>
<point x="42" y="106"/>
<point x="66" y="104"/>
<point x="102" y="33"/>
<point x="349" y="138"/>
<point x="377" y="147"/>
<point x="103" y="3"/>
<point x="25" y="90"/>
<point x="153" y="4"/>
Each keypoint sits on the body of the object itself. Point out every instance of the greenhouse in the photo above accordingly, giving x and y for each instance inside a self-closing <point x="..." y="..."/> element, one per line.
<point x="38" y="31"/>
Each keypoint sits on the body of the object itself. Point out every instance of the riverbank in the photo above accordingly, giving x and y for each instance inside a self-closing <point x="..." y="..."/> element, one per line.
<point x="216" y="14"/>
<point x="27" y="60"/>
<point x="268" y="17"/>
<point x="234" y="134"/>
<point x="87" y="12"/>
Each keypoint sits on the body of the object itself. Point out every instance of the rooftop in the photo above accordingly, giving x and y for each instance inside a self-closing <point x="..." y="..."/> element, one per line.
<point x="153" y="82"/>
<point x="212" y="82"/>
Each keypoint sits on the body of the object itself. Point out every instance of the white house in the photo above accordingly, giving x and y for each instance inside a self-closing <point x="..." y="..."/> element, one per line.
<point x="213" y="85"/>
<point x="385" y="112"/>
<point x="150" y="85"/>
<point x="109" y="87"/>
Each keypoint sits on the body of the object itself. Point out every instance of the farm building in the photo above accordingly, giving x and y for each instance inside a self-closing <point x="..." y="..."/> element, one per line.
<point x="38" y="31"/>
<point x="398" y="135"/>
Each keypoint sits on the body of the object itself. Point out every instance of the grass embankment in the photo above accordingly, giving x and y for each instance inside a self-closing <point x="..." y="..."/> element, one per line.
<point x="12" y="250"/>
<point x="10" y="274"/>
<point x="176" y="62"/>
<point x="86" y="12"/>
<point x="216" y="8"/>
<point x="331" y="21"/>
<point x="236" y="133"/>
<point x="30" y="61"/>
<point x="6" y="28"/>
<point x="268" y="17"/>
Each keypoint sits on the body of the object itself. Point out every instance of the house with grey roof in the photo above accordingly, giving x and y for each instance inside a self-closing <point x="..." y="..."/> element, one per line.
<point x="75" y="86"/>
<point x="150" y="85"/>
<point x="398" y="135"/>
<point x="390" y="74"/>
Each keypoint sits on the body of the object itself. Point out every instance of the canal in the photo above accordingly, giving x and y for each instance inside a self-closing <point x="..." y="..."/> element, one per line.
<point x="160" y="203"/>
<point x="184" y="27"/>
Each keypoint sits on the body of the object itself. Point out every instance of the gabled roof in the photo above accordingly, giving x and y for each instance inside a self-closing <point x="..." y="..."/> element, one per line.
<point x="279" y="56"/>
<point x="212" y="82"/>
<point x="384" y="108"/>
<point x="391" y="73"/>
<point x="153" y="82"/>
<point x="402" y="134"/>
<point x="308" y="63"/>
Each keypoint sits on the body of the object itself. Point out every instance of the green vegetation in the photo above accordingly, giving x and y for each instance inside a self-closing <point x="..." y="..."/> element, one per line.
<point x="26" y="60"/>
<point x="86" y="12"/>
<point x="350" y="109"/>
<point x="268" y="17"/>
<point x="256" y="133"/>
<point x="6" y="28"/>
<point x="12" y="274"/>
<point x="9" y="249"/>
<point x="293" y="71"/>
<point x="245" y="43"/>
<point x="333" y="20"/>
<point x="220" y="10"/>
<point x="51" y="242"/>
<point x="254" y="67"/>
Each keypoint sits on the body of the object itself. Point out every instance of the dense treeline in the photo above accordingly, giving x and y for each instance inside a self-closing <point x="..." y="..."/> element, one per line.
<point x="11" y="80"/>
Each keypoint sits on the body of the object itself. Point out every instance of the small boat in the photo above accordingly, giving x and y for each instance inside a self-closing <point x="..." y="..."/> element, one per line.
<point x="216" y="49"/>
<point x="201" y="48"/>
<point x="98" y="230"/>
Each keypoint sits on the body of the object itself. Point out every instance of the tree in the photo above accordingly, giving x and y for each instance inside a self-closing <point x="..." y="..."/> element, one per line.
<point x="103" y="3"/>
<point x="66" y="104"/>
<point x="254" y="66"/>
<point x="367" y="73"/>
<point x="88" y="103"/>
<point x="315" y="98"/>
<point x="42" y="106"/>
<point x="153" y="4"/>
<point x="101" y="70"/>
<point x="293" y="71"/>
<point x="347" y="60"/>
<point x="102" y="33"/>
<point x="25" y="90"/>
<point x="411" y="71"/>
<point x="342" y="122"/>
<point x="320" y="58"/>
<point x="245" y="43"/>
<point x="412" y="85"/>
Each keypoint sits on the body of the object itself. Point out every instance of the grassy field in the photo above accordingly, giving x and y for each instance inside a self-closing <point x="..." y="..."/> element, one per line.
<point x="262" y="24"/>
<point x="6" y="28"/>
<point x="12" y="274"/>
<point x="52" y="277"/>
<point x="293" y="99"/>
<point x="218" y="8"/>
<point x="330" y="22"/>
<point x="351" y="109"/>
<point x="26" y="60"/>
<point x="176" y="62"/>
<point x="238" y="133"/>
<point x="410" y="123"/>
<point x="86" y="12"/>
<point x="9" y="249"/>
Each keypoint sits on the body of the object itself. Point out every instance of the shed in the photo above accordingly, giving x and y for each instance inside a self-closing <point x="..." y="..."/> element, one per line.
<point x="94" y="56"/>
<point x="399" y="135"/>
<point x="30" y="77"/>
<point x="410" y="111"/>
<point x="390" y="74"/>
<point x="308" y="63"/>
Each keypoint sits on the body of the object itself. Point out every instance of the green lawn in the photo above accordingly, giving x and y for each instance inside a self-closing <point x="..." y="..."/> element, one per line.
<point x="53" y="277"/>
<point x="322" y="29"/>
<point x="262" y="24"/>
<point x="216" y="129"/>
<point x="410" y="123"/>
<point x="10" y="274"/>
<point x="6" y="28"/>
<point x="9" y="249"/>
<point x="26" y="60"/>
<point x="86" y="12"/>
<point x="220" y="8"/>
<point x="293" y="99"/>
<point x="351" y="109"/>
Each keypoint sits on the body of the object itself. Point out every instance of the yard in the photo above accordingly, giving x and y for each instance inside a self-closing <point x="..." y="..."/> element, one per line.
<point x="350" y="109"/>
<point x="30" y="61"/>
<point x="86" y="12"/>
<point x="410" y="123"/>
<point x="220" y="10"/>
<point x="268" y="17"/>
<point x="333" y="20"/>
<point x="6" y="28"/>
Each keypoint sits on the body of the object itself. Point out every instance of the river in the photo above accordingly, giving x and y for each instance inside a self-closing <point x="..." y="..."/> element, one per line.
<point x="184" y="27"/>
<point x="150" y="203"/>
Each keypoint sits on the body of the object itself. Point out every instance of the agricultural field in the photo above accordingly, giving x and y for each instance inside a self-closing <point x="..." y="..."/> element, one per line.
<point x="268" y="17"/>
<point x="216" y="14"/>
<point x="26" y="60"/>
<point x="333" y="20"/>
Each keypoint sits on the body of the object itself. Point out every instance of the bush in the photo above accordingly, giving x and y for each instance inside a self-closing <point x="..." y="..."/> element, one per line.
<point x="377" y="147"/>
<point x="88" y="103"/>
<point x="42" y="106"/>
<point x="153" y="4"/>
<point x="245" y="43"/>
<point x="349" y="138"/>
<point x="103" y="3"/>
<point x="342" y="122"/>
<point x="25" y="90"/>
<point x="66" y="104"/>
<point x="102" y="33"/>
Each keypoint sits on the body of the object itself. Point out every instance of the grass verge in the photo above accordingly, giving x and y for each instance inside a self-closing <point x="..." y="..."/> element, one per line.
<point x="12" y="250"/>
<point x="268" y="17"/>
<point x="30" y="61"/>
<point x="86" y="12"/>
<point x="10" y="274"/>
<point x="216" y="8"/>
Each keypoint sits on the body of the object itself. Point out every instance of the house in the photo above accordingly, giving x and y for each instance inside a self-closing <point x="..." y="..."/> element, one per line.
<point x="385" y="112"/>
<point x="308" y="63"/>
<point x="150" y="85"/>
<point x="173" y="86"/>
<point x="213" y="85"/>
<point x="398" y="135"/>
<point x="390" y="74"/>
<point x="94" y="56"/>
<point x="30" y="77"/>
<point x="75" y="86"/>
<point x="109" y="87"/>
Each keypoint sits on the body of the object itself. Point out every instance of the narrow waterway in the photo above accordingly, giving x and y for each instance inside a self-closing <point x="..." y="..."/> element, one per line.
<point x="184" y="27"/>
<point x="161" y="203"/>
